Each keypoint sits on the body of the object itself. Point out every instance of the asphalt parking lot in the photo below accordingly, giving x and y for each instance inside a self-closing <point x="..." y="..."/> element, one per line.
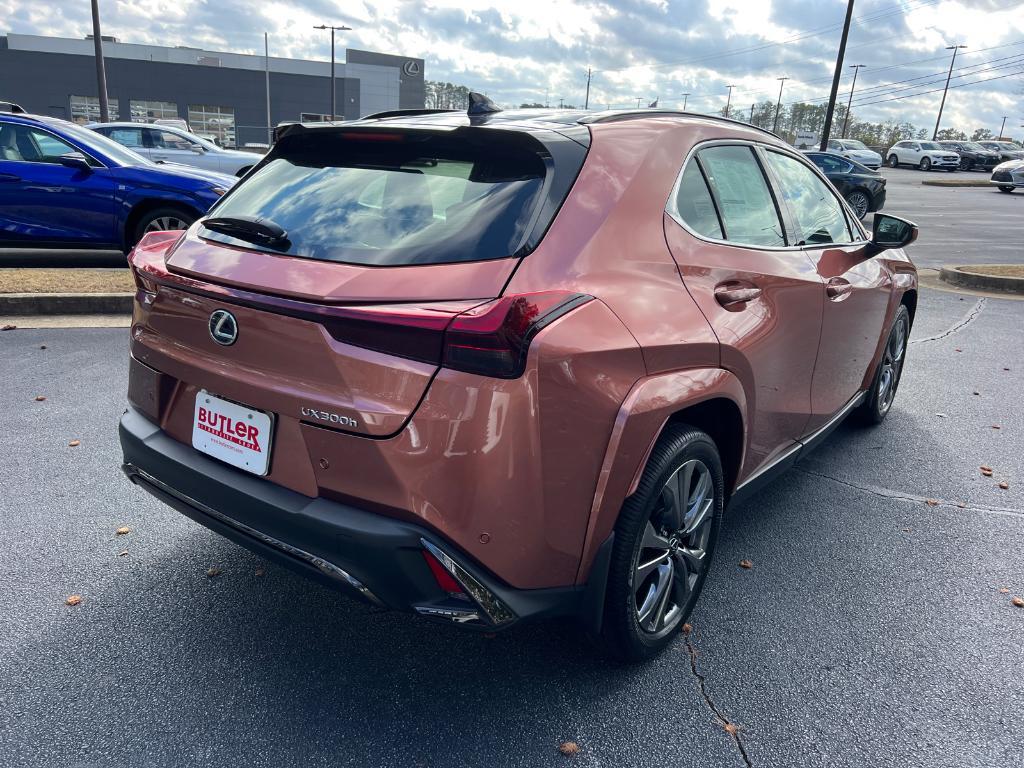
<point x="871" y="630"/>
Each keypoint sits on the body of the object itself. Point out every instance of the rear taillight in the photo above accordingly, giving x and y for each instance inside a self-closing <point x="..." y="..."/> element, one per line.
<point x="493" y="339"/>
<point x="444" y="579"/>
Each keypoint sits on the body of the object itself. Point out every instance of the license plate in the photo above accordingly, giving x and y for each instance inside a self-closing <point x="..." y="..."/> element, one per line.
<point x="233" y="433"/>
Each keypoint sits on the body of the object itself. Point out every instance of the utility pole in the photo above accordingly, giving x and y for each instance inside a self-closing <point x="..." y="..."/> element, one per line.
<point x="728" y="101"/>
<point x="638" y="100"/>
<point x="827" y="128"/>
<point x="101" y="71"/>
<point x="266" y="72"/>
<point x="1001" y="127"/>
<point x="685" y="97"/>
<point x="942" y="104"/>
<point x="561" y="101"/>
<point x="342" y="28"/>
<point x="751" y="120"/>
<point x="586" y="101"/>
<point x="778" y="104"/>
<point x="846" y="120"/>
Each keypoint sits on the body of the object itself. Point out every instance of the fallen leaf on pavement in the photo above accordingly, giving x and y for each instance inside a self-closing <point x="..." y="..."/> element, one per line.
<point x="259" y="572"/>
<point x="123" y="530"/>
<point x="977" y="393"/>
<point x="986" y="471"/>
<point x="1006" y="369"/>
<point x="958" y="350"/>
<point x="1004" y="485"/>
<point x="906" y="530"/>
<point x="996" y="426"/>
<point x="212" y="572"/>
<point x="1018" y="601"/>
<point x="1004" y="590"/>
<point x="122" y="553"/>
<point x="75" y="443"/>
<point x="731" y="729"/>
<point x="73" y="600"/>
<point x="8" y="328"/>
<point x="962" y="506"/>
<point x="568" y="747"/>
<point x="40" y="398"/>
<point x="746" y="564"/>
<point x="687" y="628"/>
<point x="941" y="415"/>
<point x="932" y="502"/>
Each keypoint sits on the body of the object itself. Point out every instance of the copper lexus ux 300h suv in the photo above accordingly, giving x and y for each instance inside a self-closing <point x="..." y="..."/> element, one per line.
<point x="495" y="366"/>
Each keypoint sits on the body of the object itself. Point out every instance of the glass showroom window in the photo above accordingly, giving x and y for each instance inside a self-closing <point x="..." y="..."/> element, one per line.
<point x="217" y="123"/>
<point x="148" y="111"/>
<point x="86" y="109"/>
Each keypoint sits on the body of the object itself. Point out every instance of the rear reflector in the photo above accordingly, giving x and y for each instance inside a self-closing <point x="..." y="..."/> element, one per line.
<point x="444" y="579"/>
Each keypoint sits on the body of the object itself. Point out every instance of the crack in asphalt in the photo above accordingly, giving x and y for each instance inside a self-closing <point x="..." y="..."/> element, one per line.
<point x="969" y="318"/>
<point x="729" y="727"/>
<point x="888" y="493"/>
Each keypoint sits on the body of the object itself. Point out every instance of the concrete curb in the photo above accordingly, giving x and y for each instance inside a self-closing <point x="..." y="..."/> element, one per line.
<point x="1001" y="283"/>
<point x="958" y="183"/>
<point x="65" y="303"/>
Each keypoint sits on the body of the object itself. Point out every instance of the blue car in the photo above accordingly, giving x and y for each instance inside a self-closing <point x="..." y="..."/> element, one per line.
<point x="62" y="186"/>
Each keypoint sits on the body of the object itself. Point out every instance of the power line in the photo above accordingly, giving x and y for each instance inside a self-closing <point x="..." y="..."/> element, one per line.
<point x="936" y="90"/>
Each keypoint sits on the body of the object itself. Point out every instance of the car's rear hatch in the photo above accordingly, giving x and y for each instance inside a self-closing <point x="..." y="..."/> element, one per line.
<point x="389" y="233"/>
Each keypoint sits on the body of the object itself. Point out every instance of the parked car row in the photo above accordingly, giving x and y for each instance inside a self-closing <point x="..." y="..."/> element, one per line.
<point x="63" y="186"/>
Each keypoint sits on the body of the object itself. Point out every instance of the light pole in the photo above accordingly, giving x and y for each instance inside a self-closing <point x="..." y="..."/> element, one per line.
<point x="638" y="100"/>
<point x="942" y="104"/>
<point x="685" y="97"/>
<point x="101" y="72"/>
<point x="778" y="104"/>
<point x="1001" y="127"/>
<point x="333" y="30"/>
<point x="728" y="101"/>
<point x="827" y="128"/>
<point x="846" y="120"/>
<point x="586" y="101"/>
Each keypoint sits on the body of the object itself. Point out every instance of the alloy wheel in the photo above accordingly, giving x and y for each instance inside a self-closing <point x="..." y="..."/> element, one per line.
<point x="860" y="203"/>
<point x="166" y="224"/>
<point x="892" y="364"/>
<point x="926" y="164"/>
<point x="673" y="555"/>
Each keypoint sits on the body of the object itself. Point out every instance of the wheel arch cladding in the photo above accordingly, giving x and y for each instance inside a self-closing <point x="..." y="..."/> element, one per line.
<point x="721" y="419"/>
<point x="909" y="300"/>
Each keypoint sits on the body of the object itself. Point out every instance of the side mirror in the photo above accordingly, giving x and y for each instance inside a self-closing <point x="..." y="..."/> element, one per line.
<point x="199" y="149"/>
<point x="75" y="160"/>
<point x="891" y="232"/>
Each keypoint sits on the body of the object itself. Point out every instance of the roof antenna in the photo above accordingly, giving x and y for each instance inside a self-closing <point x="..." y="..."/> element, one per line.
<point x="481" y="105"/>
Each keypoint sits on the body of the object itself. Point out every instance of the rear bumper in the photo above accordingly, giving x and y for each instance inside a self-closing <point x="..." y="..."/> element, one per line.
<point x="375" y="558"/>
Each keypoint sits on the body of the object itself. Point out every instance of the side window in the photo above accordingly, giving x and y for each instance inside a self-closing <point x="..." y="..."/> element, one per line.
<point x="694" y="204"/>
<point x="744" y="200"/>
<point x="818" y="215"/>
<point x="830" y="164"/>
<point x="127" y="137"/>
<point x="168" y="140"/>
<point x="20" y="142"/>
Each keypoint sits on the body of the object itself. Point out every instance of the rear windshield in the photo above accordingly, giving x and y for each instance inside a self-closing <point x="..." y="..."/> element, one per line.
<point x="394" y="198"/>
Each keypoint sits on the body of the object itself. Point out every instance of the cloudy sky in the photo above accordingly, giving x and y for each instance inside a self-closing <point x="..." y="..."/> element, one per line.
<point x="539" y="50"/>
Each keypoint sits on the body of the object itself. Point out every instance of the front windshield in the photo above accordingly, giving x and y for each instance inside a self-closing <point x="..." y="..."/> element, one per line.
<point x="973" y="146"/>
<point x="929" y="145"/>
<point x="121" y="155"/>
<point x="854" y="144"/>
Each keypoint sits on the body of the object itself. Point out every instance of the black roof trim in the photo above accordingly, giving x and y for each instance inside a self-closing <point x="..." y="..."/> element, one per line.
<point x="12" y="108"/>
<point x="636" y="114"/>
<point x="405" y="113"/>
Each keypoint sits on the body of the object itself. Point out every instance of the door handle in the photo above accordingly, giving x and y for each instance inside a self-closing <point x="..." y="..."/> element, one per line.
<point x="9" y="177"/>
<point x="838" y="289"/>
<point x="729" y="296"/>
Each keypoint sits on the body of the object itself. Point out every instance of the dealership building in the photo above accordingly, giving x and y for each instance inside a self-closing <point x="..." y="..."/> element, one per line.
<point x="222" y="95"/>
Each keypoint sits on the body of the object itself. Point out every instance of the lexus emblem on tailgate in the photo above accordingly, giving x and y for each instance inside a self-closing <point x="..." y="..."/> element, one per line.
<point x="223" y="327"/>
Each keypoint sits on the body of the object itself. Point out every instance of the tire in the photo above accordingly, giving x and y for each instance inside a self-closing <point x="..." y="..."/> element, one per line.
<point x="890" y="368"/>
<point x="1006" y="188"/>
<point x="965" y="164"/>
<point x="925" y="164"/>
<point x="661" y="557"/>
<point x="860" y="202"/>
<point x="894" y="162"/>
<point x="161" y="219"/>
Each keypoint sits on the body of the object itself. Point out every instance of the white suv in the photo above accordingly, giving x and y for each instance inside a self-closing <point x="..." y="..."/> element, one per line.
<point x="924" y="154"/>
<point x="165" y="143"/>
